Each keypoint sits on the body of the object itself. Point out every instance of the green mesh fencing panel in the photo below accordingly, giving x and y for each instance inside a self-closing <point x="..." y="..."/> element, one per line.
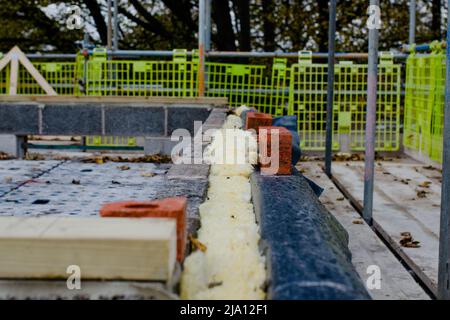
<point x="140" y="78"/>
<point x="437" y="106"/>
<point x="277" y="101"/>
<point x="175" y="78"/>
<point x="307" y="100"/>
<point x="60" y="75"/>
<point x="110" y="141"/>
<point x="350" y="101"/>
<point x="241" y="84"/>
<point x="419" y="98"/>
<point x="4" y="80"/>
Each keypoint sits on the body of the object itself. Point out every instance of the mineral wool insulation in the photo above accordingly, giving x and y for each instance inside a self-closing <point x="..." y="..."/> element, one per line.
<point x="231" y="267"/>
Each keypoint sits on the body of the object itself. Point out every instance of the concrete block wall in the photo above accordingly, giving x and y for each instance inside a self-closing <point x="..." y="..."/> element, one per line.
<point x="155" y="122"/>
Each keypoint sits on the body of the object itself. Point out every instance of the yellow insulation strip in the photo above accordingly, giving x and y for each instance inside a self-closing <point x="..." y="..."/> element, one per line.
<point x="231" y="267"/>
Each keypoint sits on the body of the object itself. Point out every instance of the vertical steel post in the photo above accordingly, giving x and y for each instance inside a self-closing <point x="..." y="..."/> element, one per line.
<point x="330" y="86"/>
<point x="109" y="31"/>
<point x="412" y="22"/>
<point x="208" y="26"/>
<point x="201" y="48"/>
<point x="372" y="74"/>
<point x="116" y="26"/>
<point x="444" y="239"/>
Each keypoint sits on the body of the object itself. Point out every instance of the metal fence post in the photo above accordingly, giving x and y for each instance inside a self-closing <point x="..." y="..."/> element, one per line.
<point x="412" y="22"/>
<point x="444" y="240"/>
<point x="330" y="86"/>
<point x="208" y="25"/>
<point x="201" y="48"/>
<point x="372" y="74"/>
<point x="109" y="32"/>
<point x="116" y="26"/>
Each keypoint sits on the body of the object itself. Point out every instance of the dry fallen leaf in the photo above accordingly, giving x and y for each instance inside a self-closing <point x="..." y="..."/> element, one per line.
<point x="407" y="240"/>
<point x="124" y="167"/>
<point x="144" y="159"/>
<point x="5" y="156"/>
<point x="214" y="284"/>
<point x="148" y="174"/>
<point x="197" y="244"/>
<point x="421" y="193"/>
<point x="99" y="160"/>
<point x="425" y="184"/>
<point x="340" y="199"/>
<point x="358" y="221"/>
<point x="34" y="157"/>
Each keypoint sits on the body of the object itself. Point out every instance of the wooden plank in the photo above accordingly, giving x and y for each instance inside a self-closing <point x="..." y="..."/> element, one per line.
<point x="103" y="248"/>
<point x="14" y="74"/>
<point x="35" y="74"/>
<point x="115" y="100"/>
<point x="397" y="209"/>
<point x="5" y="60"/>
<point x="366" y="247"/>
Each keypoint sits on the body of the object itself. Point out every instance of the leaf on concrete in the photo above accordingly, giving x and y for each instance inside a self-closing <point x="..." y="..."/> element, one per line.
<point x="197" y="244"/>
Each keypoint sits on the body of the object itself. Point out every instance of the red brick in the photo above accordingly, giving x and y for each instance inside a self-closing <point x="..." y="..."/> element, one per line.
<point x="255" y="120"/>
<point x="284" y="153"/>
<point x="163" y="208"/>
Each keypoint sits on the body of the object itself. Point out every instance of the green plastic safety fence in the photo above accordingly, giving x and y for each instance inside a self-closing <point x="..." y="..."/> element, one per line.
<point x="60" y="75"/>
<point x="307" y="100"/>
<point x="79" y="75"/>
<point x="419" y="99"/>
<point x="350" y="102"/>
<point x="4" y="80"/>
<point x="437" y="106"/>
<point x="175" y="78"/>
<point x="277" y="101"/>
<point x="110" y="141"/>
<point x="241" y="84"/>
<point x="308" y="97"/>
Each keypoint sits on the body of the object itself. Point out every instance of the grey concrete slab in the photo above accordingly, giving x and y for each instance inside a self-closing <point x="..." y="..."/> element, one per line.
<point x="13" y="173"/>
<point x="188" y="171"/>
<point x="80" y="189"/>
<point x="92" y="290"/>
<point x="159" y="145"/>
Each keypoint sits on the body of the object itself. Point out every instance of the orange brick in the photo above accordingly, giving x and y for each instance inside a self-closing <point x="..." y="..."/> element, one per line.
<point x="284" y="152"/>
<point x="164" y="208"/>
<point x="255" y="120"/>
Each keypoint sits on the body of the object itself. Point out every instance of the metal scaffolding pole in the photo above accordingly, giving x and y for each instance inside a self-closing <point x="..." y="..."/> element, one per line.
<point x="412" y="22"/>
<point x="372" y="74"/>
<point x="330" y="86"/>
<point x="116" y="26"/>
<point x="444" y="236"/>
<point x="109" y="31"/>
<point x="201" y="48"/>
<point x="208" y="26"/>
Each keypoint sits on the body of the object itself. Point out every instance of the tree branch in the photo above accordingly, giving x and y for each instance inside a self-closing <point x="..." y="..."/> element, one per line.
<point x="99" y="21"/>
